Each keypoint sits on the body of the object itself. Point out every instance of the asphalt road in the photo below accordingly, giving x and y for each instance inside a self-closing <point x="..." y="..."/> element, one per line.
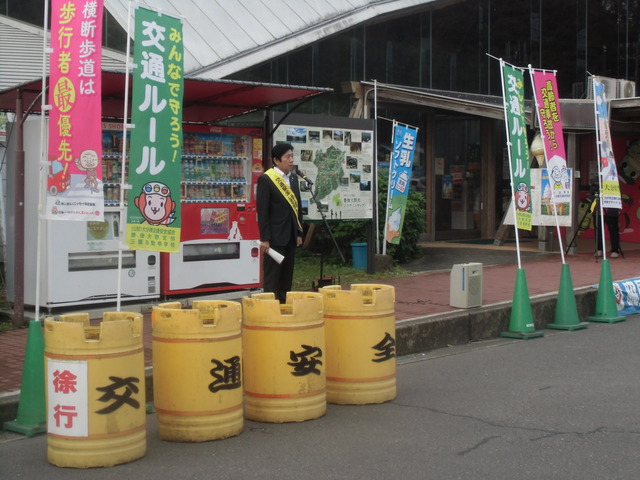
<point x="564" y="406"/>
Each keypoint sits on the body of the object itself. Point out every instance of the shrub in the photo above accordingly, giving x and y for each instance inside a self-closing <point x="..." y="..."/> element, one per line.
<point x="347" y="232"/>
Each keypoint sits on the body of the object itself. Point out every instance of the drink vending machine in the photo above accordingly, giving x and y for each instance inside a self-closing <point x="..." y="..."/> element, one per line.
<point x="79" y="259"/>
<point x="220" y="240"/>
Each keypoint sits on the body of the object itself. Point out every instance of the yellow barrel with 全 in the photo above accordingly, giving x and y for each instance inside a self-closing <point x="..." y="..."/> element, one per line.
<point x="284" y="361"/>
<point x="197" y="370"/>
<point x="96" y="414"/>
<point x="361" y="343"/>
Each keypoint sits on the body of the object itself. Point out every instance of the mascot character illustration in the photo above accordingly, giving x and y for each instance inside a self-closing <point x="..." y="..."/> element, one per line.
<point x="522" y="197"/>
<point x="88" y="163"/>
<point x="155" y="204"/>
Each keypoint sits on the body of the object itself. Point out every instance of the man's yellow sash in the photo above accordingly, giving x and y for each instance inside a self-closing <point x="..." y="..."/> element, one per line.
<point x="286" y="192"/>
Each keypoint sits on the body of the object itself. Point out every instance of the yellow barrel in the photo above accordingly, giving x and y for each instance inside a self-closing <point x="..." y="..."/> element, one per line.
<point x="96" y="414"/>
<point x="361" y="343"/>
<point x="284" y="360"/>
<point x="197" y="370"/>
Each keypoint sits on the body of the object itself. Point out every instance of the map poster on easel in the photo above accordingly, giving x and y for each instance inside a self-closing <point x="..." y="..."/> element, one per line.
<point x="337" y="155"/>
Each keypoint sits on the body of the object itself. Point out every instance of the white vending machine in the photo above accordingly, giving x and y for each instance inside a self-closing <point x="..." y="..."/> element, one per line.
<point x="79" y="260"/>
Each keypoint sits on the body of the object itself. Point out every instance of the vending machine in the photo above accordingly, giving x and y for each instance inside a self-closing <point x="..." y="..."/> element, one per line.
<point x="80" y="260"/>
<point x="220" y="240"/>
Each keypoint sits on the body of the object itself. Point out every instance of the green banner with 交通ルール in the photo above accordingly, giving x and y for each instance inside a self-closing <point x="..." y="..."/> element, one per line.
<point x="153" y="209"/>
<point x="516" y="127"/>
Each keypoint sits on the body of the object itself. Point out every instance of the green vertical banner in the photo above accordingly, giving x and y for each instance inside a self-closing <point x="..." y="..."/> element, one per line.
<point x="516" y="127"/>
<point x="404" y="145"/>
<point x="153" y="210"/>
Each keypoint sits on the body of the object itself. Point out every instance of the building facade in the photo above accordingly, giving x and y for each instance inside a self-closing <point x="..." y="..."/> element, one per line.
<point x="453" y="48"/>
<point x="436" y="62"/>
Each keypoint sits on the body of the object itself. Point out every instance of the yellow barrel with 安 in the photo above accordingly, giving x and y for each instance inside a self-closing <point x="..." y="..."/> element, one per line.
<point x="361" y="344"/>
<point x="197" y="370"/>
<point x="96" y="414"/>
<point x="284" y="359"/>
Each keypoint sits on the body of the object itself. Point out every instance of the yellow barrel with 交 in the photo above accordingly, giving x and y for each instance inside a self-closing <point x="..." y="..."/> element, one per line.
<point x="284" y="361"/>
<point x="197" y="370"/>
<point x="96" y="414"/>
<point x="361" y="343"/>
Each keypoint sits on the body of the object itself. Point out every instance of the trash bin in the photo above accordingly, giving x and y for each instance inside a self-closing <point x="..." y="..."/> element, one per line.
<point x="284" y="359"/>
<point x="96" y="414"/>
<point x="361" y="343"/>
<point x="197" y="370"/>
<point x="359" y="255"/>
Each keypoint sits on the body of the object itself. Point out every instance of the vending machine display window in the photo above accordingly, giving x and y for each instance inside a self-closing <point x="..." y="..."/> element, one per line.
<point x="211" y="251"/>
<point x="80" y="261"/>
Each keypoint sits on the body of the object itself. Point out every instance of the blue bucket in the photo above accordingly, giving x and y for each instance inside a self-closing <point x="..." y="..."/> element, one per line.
<point x="359" y="254"/>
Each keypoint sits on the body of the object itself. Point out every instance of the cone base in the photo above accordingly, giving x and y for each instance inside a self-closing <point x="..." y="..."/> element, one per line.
<point x="26" y="430"/>
<point x="606" y="319"/>
<point x="575" y="326"/>
<point x="522" y="336"/>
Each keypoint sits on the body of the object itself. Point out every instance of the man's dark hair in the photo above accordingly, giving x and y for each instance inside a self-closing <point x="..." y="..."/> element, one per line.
<point x="280" y="149"/>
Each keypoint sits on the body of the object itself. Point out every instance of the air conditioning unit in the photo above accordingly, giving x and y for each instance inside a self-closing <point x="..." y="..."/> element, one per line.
<point x="626" y="89"/>
<point x="610" y="87"/>
<point x="466" y="285"/>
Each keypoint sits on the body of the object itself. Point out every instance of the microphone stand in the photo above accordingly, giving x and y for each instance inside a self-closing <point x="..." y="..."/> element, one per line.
<point x="321" y="282"/>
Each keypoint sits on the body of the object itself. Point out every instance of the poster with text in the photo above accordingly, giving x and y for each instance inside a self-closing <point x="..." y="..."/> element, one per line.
<point x="550" y="119"/>
<point x="609" y="183"/>
<point x="74" y="154"/>
<point x="153" y="210"/>
<point x="339" y="162"/>
<point x="516" y="130"/>
<point x="404" y="145"/>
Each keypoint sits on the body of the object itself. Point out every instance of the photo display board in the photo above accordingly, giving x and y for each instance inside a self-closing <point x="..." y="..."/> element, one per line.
<point x="337" y="155"/>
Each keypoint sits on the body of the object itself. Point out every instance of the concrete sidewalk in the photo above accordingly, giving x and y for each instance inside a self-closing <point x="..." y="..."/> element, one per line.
<point x="424" y="318"/>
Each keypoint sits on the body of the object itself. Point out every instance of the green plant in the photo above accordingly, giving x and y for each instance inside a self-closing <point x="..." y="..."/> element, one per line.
<point x="346" y="232"/>
<point x="307" y="272"/>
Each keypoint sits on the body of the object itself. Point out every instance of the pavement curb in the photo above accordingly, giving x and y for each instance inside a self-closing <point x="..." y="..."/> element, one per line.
<point x="423" y="334"/>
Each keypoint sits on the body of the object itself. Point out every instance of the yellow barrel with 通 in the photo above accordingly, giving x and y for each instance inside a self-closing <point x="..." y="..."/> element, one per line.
<point x="197" y="370"/>
<point x="96" y="414"/>
<point x="361" y="343"/>
<point x="284" y="359"/>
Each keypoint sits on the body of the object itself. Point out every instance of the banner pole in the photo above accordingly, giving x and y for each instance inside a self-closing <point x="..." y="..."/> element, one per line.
<point x="598" y="161"/>
<point x="386" y="210"/>
<point x="377" y="219"/>
<point x="43" y="160"/>
<point x="513" y="200"/>
<point x="123" y="185"/>
<point x="544" y="150"/>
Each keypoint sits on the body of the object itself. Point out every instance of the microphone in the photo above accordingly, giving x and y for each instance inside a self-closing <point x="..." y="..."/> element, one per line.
<point x="302" y="175"/>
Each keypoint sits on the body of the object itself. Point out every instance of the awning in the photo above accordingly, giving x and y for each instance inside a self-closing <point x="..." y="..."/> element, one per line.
<point x="577" y="114"/>
<point x="473" y="104"/>
<point x="205" y="101"/>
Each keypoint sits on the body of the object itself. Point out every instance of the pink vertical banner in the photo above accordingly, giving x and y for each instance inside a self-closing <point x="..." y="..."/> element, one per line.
<point x="545" y="90"/>
<point x="74" y="160"/>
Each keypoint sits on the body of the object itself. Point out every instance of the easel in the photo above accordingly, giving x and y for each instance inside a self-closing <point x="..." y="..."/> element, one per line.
<point x="593" y="205"/>
<point x="581" y="225"/>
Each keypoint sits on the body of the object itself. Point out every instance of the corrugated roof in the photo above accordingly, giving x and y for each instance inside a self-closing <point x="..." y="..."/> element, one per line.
<point x="222" y="37"/>
<point x="21" y="53"/>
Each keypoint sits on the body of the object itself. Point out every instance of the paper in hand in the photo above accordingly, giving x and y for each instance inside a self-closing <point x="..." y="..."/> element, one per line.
<point x="275" y="255"/>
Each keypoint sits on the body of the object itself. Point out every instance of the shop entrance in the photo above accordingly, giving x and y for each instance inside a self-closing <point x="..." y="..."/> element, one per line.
<point x="458" y="173"/>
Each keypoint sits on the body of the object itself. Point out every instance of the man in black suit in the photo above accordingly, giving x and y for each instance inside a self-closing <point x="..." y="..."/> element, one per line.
<point x="279" y="220"/>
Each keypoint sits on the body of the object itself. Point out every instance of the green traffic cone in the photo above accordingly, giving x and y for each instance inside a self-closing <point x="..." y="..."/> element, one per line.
<point x="32" y="416"/>
<point x="566" y="309"/>
<point x="521" y="323"/>
<point x="606" y="309"/>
